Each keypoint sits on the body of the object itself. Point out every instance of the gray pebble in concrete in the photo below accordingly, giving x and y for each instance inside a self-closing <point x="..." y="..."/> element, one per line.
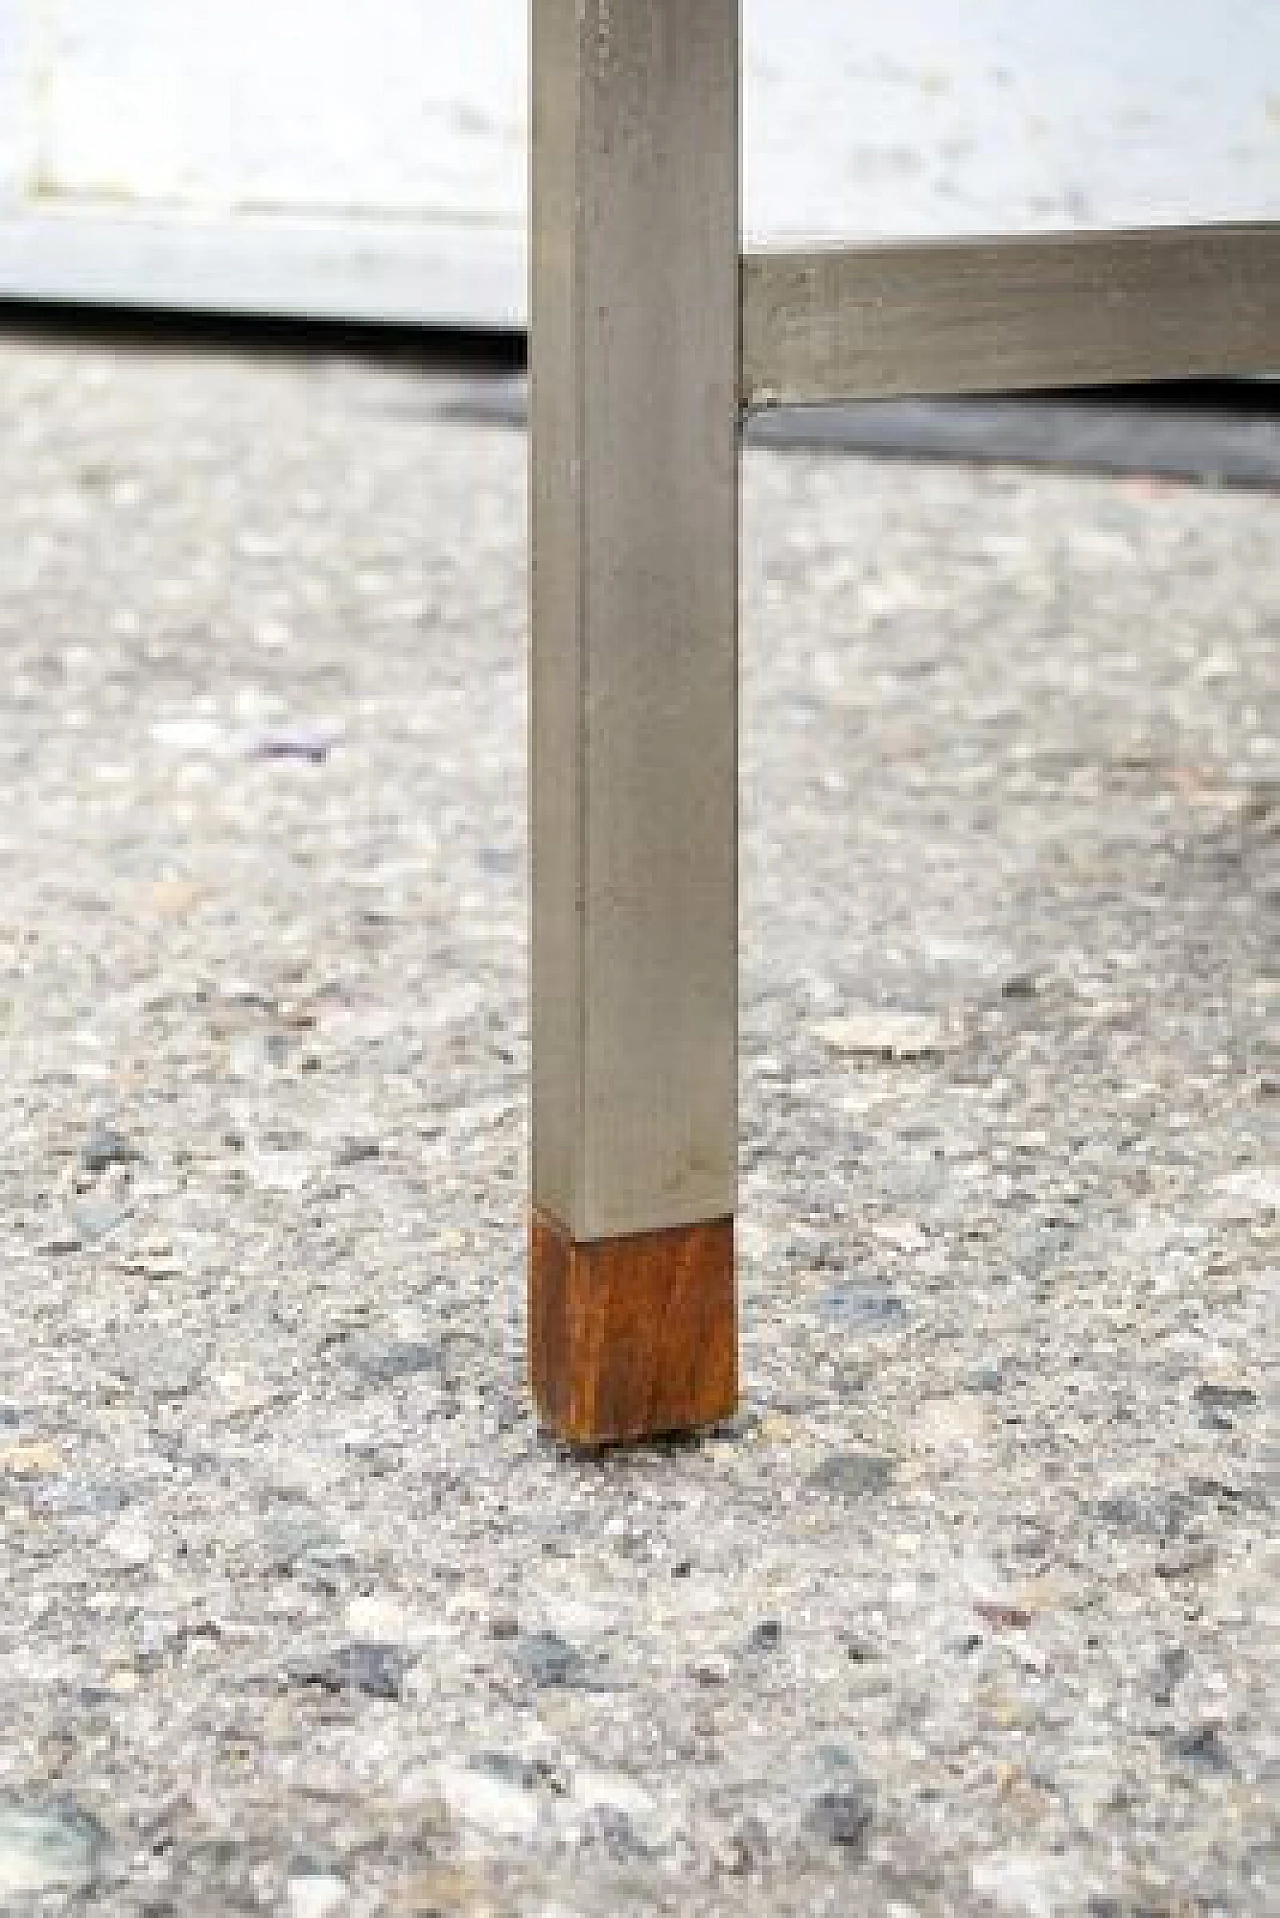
<point x="549" y="1660"/>
<point x="842" y="1817"/>
<point x="850" y="1476"/>
<point x="52" y="1848"/>
<point x="377" y="1671"/>
<point x="105" y="1147"/>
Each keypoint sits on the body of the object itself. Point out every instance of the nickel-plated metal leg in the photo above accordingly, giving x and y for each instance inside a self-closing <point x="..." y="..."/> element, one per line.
<point x="634" y="419"/>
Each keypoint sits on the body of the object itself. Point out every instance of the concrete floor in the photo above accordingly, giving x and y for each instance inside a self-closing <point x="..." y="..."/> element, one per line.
<point x="973" y="1609"/>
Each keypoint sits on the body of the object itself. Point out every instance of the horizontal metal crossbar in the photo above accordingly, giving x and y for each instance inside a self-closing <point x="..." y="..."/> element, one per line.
<point x="1009" y="314"/>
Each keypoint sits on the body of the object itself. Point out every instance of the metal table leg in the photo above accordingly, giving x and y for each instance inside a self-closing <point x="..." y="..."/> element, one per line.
<point x="634" y="419"/>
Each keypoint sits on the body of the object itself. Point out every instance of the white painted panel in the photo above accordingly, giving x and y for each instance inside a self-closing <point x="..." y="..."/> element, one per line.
<point x="317" y="156"/>
<point x="402" y="271"/>
<point x="19" y="100"/>
<point x="391" y="107"/>
<point x="930" y="116"/>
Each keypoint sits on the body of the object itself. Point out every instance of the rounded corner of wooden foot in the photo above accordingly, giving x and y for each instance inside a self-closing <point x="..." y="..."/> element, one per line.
<point x="632" y="1337"/>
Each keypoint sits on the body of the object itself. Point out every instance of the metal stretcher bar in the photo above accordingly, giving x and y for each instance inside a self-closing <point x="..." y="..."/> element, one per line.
<point x="1010" y="313"/>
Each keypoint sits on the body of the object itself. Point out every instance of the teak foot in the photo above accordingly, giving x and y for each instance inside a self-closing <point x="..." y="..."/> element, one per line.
<point x="632" y="1337"/>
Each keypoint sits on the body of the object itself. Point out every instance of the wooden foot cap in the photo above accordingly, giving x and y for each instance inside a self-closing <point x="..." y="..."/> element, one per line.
<point x="632" y="1337"/>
